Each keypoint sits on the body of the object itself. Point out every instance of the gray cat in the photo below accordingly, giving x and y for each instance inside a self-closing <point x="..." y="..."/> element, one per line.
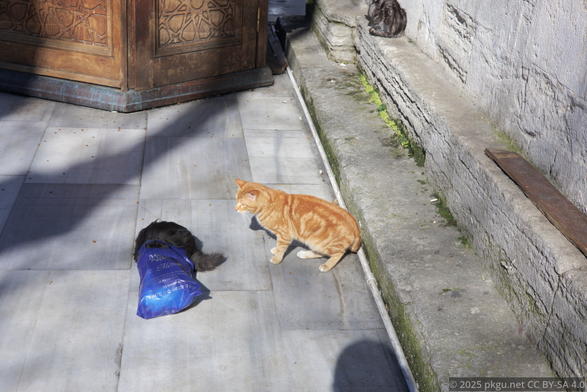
<point x="387" y="18"/>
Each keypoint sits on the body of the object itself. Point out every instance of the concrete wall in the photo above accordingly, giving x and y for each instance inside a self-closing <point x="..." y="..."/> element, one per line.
<point x="524" y="62"/>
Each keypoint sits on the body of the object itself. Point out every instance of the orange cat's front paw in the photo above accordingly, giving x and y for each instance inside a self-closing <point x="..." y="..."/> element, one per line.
<point x="272" y="251"/>
<point x="275" y="260"/>
<point x="324" y="268"/>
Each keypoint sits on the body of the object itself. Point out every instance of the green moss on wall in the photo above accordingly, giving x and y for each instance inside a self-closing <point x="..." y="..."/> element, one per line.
<point x="400" y="136"/>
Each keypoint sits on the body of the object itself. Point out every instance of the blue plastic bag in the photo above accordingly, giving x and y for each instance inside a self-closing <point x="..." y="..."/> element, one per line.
<point x="167" y="284"/>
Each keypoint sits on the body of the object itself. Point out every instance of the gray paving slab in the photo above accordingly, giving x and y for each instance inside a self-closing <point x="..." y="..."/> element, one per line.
<point x="17" y="108"/>
<point x="229" y="342"/>
<point x="340" y="361"/>
<point x="214" y="116"/>
<point x="194" y="150"/>
<point x="336" y="301"/>
<point x="65" y="115"/>
<point x="282" y="87"/>
<point x="20" y="141"/>
<point x="9" y="188"/>
<point x="270" y="112"/>
<point x="283" y="157"/>
<point x="276" y="170"/>
<point x="22" y="293"/>
<point x="88" y="156"/>
<point x="64" y="329"/>
<point x="202" y="167"/>
<point x="280" y="144"/>
<point x="70" y="226"/>
<point x="6" y="101"/>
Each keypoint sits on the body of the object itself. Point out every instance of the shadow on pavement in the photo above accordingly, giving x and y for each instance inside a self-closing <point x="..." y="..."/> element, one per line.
<point x="368" y="366"/>
<point x="18" y="232"/>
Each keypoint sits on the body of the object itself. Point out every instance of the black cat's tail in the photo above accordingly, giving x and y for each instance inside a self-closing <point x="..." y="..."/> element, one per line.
<point x="206" y="262"/>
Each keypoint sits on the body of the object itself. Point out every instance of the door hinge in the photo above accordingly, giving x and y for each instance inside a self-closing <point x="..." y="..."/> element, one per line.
<point x="258" y="18"/>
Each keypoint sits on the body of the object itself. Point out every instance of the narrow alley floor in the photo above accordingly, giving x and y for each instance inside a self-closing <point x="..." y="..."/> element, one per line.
<point x="77" y="185"/>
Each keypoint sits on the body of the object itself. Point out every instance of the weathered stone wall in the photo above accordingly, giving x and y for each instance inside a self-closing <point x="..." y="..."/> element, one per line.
<point x="524" y="63"/>
<point x="541" y="274"/>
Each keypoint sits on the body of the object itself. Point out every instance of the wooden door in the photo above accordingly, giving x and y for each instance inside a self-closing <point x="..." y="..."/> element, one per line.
<point x="81" y="40"/>
<point x="175" y="41"/>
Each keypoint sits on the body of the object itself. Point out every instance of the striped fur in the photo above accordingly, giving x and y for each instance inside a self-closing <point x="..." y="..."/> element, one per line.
<point x="327" y="229"/>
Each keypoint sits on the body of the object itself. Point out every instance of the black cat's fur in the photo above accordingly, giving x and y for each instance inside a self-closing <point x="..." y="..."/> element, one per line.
<point x="387" y="18"/>
<point x="176" y="235"/>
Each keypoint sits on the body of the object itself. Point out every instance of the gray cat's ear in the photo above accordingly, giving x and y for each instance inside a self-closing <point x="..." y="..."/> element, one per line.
<point x="240" y="183"/>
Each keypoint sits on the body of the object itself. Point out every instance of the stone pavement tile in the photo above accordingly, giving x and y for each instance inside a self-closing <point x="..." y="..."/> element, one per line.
<point x="358" y="307"/>
<point x="9" y="188"/>
<point x="281" y="88"/>
<point x="263" y="112"/>
<point x="72" y="116"/>
<point x="21" y="293"/>
<point x="215" y="116"/>
<point x="18" y="108"/>
<point x="230" y="342"/>
<point x="193" y="168"/>
<point x="276" y="170"/>
<point x="341" y="361"/>
<point x="59" y="227"/>
<point x="283" y="157"/>
<point x="309" y="299"/>
<point x="20" y="141"/>
<point x="219" y="228"/>
<point x="62" y="330"/>
<point x="88" y="156"/>
<point x="246" y="267"/>
<point x="6" y="101"/>
<point x="282" y="144"/>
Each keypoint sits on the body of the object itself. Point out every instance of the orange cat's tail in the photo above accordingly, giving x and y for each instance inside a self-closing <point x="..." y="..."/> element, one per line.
<point x="355" y="245"/>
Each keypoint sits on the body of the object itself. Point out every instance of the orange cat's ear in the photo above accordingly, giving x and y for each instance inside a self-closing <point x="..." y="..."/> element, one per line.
<point x="240" y="183"/>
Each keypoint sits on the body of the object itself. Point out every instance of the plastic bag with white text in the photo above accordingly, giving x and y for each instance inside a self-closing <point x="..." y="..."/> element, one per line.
<point x="167" y="281"/>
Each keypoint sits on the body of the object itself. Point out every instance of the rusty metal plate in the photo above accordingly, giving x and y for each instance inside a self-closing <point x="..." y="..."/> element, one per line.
<point x="556" y="207"/>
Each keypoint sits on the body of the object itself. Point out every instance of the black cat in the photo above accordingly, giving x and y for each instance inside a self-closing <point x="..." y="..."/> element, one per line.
<point x="170" y="233"/>
<point x="387" y="18"/>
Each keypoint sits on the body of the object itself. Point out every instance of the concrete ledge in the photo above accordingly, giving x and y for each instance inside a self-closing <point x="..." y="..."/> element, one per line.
<point x="449" y="316"/>
<point x="541" y="275"/>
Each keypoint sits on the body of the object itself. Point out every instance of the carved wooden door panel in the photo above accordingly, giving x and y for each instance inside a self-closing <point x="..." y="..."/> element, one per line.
<point x="79" y="40"/>
<point x="175" y="41"/>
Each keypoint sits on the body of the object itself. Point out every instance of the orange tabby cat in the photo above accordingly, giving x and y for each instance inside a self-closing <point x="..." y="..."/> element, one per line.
<point x="325" y="228"/>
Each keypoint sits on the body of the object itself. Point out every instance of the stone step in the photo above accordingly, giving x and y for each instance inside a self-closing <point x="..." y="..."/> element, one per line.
<point x="448" y="313"/>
